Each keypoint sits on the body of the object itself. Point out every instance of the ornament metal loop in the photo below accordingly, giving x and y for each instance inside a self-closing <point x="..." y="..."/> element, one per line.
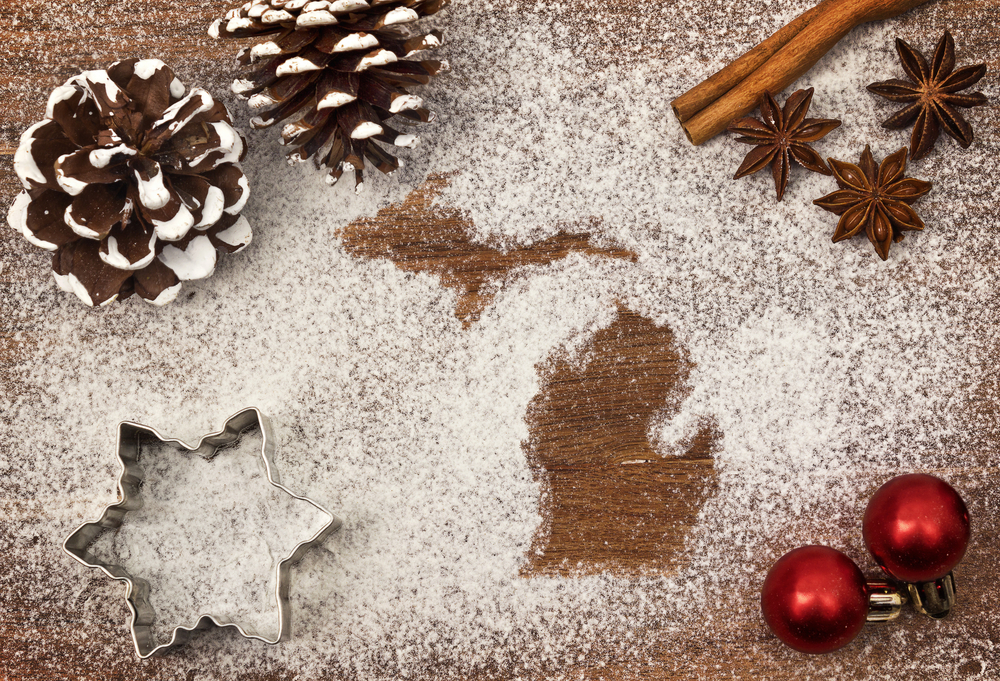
<point x="934" y="599"/>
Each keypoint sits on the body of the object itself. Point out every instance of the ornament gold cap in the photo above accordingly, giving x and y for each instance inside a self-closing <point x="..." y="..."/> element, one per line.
<point x="885" y="601"/>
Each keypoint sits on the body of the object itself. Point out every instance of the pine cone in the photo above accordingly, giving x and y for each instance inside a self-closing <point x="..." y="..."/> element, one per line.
<point x="338" y="67"/>
<point x="132" y="183"/>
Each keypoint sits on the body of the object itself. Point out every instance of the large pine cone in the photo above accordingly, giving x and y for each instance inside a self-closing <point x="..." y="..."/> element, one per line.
<point x="338" y="67"/>
<point x="132" y="183"/>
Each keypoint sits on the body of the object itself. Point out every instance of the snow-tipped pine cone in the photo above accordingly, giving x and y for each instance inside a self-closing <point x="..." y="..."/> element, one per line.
<point x="132" y="183"/>
<point x="338" y="70"/>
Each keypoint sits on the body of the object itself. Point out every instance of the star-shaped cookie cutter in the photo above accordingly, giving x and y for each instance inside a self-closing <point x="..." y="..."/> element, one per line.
<point x="129" y="483"/>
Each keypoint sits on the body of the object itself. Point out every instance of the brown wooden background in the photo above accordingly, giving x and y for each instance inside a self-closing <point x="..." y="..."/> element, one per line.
<point x="597" y="462"/>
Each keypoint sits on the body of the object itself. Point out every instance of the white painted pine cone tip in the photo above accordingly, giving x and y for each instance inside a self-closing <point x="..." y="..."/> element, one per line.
<point x="133" y="182"/>
<point x="335" y="72"/>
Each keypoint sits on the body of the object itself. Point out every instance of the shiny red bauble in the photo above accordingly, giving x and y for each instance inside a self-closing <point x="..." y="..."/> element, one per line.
<point x="815" y="599"/>
<point x="917" y="527"/>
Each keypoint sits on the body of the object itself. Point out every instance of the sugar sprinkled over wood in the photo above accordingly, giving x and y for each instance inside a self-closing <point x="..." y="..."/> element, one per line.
<point x="199" y="515"/>
<point x="822" y="366"/>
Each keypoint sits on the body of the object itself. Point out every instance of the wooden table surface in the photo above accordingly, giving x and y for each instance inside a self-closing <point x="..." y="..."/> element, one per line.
<point x="580" y="457"/>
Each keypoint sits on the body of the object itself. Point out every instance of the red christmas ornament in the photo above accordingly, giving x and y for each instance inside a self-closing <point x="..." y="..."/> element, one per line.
<point x="815" y="599"/>
<point x="917" y="528"/>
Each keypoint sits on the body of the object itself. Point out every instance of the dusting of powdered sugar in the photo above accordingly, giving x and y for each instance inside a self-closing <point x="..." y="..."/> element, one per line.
<point x="821" y="366"/>
<point x="198" y="515"/>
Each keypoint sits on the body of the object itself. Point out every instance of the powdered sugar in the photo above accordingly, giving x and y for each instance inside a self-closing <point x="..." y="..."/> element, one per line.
<point x="198" y="514"/>
<point x="237" y="235"/>
<point x="77" y="227"/>
<point x="115" y="258"/>
<point x="100" y="158"/>
<point x="145" y="68"/>
<point x="169" y="117"/>
<point x="823" y="367"/>
<point x="24" y="161"/>
<point x="69" y="184"/>
<point x="196" y="260"/>
<point x="60" y="94"/>
<point x="153" y="193"/>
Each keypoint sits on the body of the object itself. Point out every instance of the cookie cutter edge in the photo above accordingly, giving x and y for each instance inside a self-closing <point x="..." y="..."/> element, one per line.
<point x="137" y="589"/>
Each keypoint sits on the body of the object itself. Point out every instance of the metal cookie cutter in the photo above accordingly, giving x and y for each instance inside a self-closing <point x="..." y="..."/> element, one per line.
<point x="129" y="487"/>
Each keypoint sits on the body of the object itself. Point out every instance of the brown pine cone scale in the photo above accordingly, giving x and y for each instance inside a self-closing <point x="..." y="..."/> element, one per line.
<point x="335" y="72"/>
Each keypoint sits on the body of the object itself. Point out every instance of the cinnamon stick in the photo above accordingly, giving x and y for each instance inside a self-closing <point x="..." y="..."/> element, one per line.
<point x="706" y="92"/>
<point x="706" y="110"/>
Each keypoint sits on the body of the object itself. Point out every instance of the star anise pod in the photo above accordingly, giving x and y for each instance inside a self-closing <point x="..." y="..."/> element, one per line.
<point x="933" y="96"/>
<point x="876" y="197"/>
<point x="783" y="134"/>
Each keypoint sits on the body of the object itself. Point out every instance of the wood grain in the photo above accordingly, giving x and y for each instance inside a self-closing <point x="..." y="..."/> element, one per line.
<point x="609" y="497"/>
<point x="420" y="237"/>
<point x="597" y="491"/>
